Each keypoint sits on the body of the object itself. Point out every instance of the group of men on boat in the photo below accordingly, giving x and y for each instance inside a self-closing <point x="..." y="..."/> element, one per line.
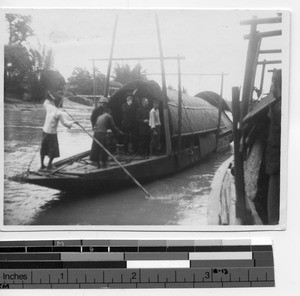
<point x="141" y="129"/>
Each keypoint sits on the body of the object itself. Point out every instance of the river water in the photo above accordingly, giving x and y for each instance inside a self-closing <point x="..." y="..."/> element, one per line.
<point x="177" y="200"/>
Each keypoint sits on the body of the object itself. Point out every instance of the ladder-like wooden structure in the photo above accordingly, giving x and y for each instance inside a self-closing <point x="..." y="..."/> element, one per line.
<point x="241" y="108"/>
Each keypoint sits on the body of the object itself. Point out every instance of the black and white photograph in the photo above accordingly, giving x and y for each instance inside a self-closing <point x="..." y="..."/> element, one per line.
<point x="145" y="118"/>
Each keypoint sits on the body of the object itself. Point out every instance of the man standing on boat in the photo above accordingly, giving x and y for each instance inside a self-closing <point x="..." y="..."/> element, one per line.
<point x="142" y="117"/>
<point x="273" y="151"/>
<point x="98" y="110"/>
<point x="104" y="123"/>
<point x="49" y="145"/>
<point x="129" y="124"/>
<point x="155" y="125"/>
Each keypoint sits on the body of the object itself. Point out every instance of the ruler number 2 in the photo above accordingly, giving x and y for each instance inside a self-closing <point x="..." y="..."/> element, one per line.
<point x="133" y="276"/>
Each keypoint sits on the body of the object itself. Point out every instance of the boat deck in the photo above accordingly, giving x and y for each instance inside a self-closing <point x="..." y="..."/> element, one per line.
<point x="83" y="166"/>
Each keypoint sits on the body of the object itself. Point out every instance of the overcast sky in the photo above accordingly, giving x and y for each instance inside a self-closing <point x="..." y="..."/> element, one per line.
<point x="211" y="41"/>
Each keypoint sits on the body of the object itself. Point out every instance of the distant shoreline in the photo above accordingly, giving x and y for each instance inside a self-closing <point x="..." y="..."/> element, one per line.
<point x="17" y="104"/>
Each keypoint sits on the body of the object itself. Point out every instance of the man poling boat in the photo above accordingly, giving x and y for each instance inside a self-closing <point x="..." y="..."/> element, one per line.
<point x="49" y="145"/>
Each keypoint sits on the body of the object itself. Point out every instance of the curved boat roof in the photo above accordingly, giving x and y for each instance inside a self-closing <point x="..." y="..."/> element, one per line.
<point x="198" y="115"/>
<point x="213" y="98"/>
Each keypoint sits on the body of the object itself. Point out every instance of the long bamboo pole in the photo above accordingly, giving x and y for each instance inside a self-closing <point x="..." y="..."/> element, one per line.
<point x="164" y="89"/>
<point x="108" y="152"/>
<point x="106" y="91"/>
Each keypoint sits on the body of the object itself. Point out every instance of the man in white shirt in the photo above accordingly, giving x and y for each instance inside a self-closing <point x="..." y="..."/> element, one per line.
<point x="49" y="145"/>
<point x="155" y="124"/>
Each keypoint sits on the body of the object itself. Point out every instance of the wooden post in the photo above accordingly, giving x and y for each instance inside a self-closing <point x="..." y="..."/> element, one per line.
<point x="220" y="112"/>
<point x="251" y="64"/>
<point x="179" y="109"/>
<point x="94" y="85"/>
<point x="238" y="157"/>
<point x="262" y="77"/>
<point x="164" y="89"/>
<point x="106" y="90"/>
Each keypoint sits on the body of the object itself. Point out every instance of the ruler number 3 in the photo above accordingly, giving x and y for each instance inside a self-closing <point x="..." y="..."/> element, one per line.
<point x="207" y="274"/>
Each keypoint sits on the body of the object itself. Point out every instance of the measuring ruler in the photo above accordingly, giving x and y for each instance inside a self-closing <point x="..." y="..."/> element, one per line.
<point x="94" y="264"/>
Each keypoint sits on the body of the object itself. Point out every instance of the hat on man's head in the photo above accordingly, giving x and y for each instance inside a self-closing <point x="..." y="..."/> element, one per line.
<point x="103" y="100"/>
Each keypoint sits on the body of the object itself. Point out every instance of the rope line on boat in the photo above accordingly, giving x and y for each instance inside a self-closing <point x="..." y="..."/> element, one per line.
<point x="110" y="154"/>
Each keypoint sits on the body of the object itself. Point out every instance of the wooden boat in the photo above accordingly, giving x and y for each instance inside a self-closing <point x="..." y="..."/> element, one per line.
<point x="198" y="140"/>
<point x="240" y="186"/>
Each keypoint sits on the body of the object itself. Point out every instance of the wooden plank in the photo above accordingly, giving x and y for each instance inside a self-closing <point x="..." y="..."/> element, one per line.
<point x="269" y="62"/>
<point x="265" y="34"/>
<point x="68" y="159"/>
<point x="267" y="51"/>
<point x="258" y="21"/>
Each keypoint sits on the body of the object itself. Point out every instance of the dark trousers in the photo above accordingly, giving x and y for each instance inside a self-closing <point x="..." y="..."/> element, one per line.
<point x="155" y="139"/>
<point x="97" y="153"/>
<point x="144" y="144"/>
<point x="274" y="199"/>
<point x="130" y="136"/>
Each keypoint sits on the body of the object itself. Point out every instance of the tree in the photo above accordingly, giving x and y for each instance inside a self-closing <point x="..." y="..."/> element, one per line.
<point x="43" y="58"/>
<point x="19" y="28"/>
<point x="17" y="68"/>
<point x="81" y="81"/>
<point x="23" y="66"/>
<point x="124" y="74"/>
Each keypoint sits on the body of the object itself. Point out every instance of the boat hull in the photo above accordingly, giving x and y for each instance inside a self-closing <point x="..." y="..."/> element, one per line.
<point x="114" y="178"/>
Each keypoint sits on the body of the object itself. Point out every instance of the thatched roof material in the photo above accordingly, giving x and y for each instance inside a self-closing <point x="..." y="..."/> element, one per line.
<point x="197" y="115"/>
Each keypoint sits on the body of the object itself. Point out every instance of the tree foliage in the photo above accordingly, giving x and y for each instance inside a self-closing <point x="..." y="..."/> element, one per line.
<point x="124" y="74"/>
<point x="81" y="81"/>
<point x="23" y="65"/>
<point x="43" y="58"/>
<point x="19" y="28"/>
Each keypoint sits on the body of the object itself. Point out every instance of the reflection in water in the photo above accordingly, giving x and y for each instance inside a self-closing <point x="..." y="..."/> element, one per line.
<point x="177" y="200"/>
